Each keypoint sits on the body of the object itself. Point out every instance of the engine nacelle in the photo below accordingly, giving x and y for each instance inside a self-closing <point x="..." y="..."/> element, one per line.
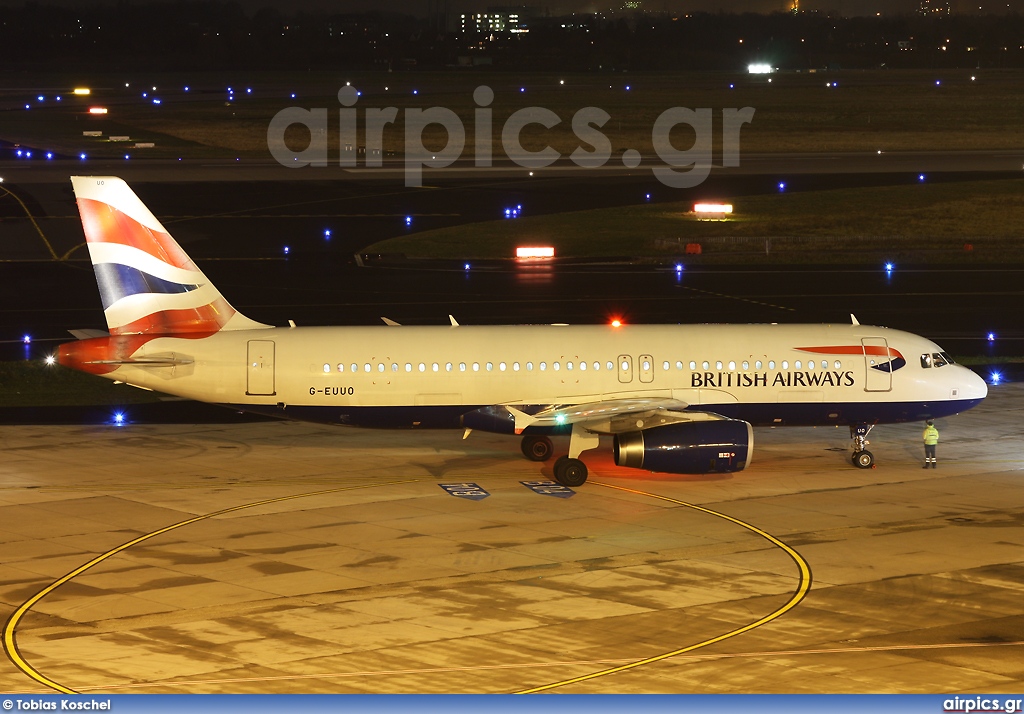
<point x="695" y="447"/>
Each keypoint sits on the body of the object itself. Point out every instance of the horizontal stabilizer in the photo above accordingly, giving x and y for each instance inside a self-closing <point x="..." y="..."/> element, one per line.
<point x="390" y="323"/>
<point x="88" y="334"/>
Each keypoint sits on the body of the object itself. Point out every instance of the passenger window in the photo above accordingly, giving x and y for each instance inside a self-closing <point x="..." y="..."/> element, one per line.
<point x="732" y="366"/>
<point x="489" y="366"/>
<point x="785" y="364"/>
<point x="926" y="361"/>
<point x="746" y="365"/>
<point x="568" y="365"/>
<point x="838" y="364"/>
<point x="824" y="364"/>
<point x="757" y="365"/>
<point x="501" y="366"/>
<point x="771" y="364"/>
<point x="408" y="367"/>
<point x="597" y="366"/>
<point x="476" y="366"/>
<point x="543" y="366"/>
<point x="394" y="366"/>
<point x="327" y="368"/>
<point x="423" y="367"/>
<point x="462" y="366"/>
<point x="341" y="367"/>
<point x="367" y="367"/>
<point x="706" y="364"/>
<point x="583" y="365"/>
<point x="797" y="365"/>
<point x="515" y="366"/>
<point x="355" y="367"/>
<point x="448" y="367"/>
<point x="666" y="366"/>
<point x="529" y="366"/>
<point x="718" y="365"/>
<point x="693" y="365"/>
<point x="810" y="364"/>
<point x="380" y="367"/>
<point x="611" y="366"/>
<point x="554" y="366"/>
<point x="434" y="366"/>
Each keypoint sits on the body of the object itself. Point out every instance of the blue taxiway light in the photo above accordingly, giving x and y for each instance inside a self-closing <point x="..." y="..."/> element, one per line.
<point x="938" y="82"/>
<point x="627" y="87"/>
<point x="248" y="90"/>
<point x="647" y="197"/>
<point x="287" y="250"/>
<point x="920" y="177"/>
<point x="156" y="101"/>
<point x="127" y="156"/>
<point x="26" y="106"/>
<point x="40" y="98"/>
<point x="679" y="267"/>
<point x="995" y="377"/>
<point x="889" y="267"/>
<point x="82" y="157"/>
<point x="26" y="339"/>
<point x="408" y="220"/>
<point x="186" y="88"/>
<point x="782" y="186"/>
<point x="522" y="89"/>
<point x="991" y="337"/>
<point x="293" y="95"/>
<point x="118" y="418"/>
<point x="466" y="266"/>
<point x="49" y="154"/>
<point x="732" y="86"/>
<point x="327" y="234"/>
<point x="145" y="94"/>
<point x="415" y="91"/>
<point x="58" y="99"/>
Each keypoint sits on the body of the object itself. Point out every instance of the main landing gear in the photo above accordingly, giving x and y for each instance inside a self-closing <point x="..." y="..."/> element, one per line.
<point x="569" y="470"/>
<point x="862" y="458"/>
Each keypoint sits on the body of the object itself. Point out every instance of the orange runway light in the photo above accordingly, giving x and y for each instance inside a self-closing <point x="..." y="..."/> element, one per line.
<point x="97" y="110"/>
<point x="712" y="208"/>
<point x="535" y="252"/>
<point x="83" y="91"/>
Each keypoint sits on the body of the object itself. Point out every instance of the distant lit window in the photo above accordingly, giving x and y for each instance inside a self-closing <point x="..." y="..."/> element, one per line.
<point x="327" y="368"/>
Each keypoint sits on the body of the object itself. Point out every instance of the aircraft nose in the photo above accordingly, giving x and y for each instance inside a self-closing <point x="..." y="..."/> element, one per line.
<point x="974" y="386"/>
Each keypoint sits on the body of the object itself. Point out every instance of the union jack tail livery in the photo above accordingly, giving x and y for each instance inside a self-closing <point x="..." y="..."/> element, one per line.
<point x="147" y="283"/>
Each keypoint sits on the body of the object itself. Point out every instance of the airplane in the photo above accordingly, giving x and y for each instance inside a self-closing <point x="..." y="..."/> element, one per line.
<point x="678" y="399"/>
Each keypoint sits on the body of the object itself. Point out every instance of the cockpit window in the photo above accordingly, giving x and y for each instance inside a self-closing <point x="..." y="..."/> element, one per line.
<point x="926" y="361"/>
<point x="938" y="360"/>
<point x="945" y="356"/>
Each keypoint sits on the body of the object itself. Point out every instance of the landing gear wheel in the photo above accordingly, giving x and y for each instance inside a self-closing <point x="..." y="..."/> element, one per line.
<point x="570" y="472"/>
<point x="537" y="448"/>
<point x="864" y="460"/>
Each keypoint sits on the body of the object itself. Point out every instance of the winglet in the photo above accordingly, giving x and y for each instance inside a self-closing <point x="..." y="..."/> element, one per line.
<point x="523" y="419"/>
<point x="854" y="319"/>
<point x="455" y="322"/>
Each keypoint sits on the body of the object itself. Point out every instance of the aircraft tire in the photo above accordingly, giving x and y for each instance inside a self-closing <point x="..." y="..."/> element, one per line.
<point x="864" y="460"/>
<point x="570" y="472"/>
<point x="537" y="448"/>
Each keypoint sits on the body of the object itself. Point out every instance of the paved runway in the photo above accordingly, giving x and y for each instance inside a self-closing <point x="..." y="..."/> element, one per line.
<point x="282" y="557"/>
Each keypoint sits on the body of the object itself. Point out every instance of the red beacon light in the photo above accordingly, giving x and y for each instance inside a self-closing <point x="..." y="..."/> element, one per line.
<point x="616" y="322"/>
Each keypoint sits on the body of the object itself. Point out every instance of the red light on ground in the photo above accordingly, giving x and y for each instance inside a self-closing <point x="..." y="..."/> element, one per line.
<point x="616" y="323"/>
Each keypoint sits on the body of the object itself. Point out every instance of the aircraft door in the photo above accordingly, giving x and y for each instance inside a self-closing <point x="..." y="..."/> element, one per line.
<point x="877" y="367"/>
<point x="625" y="369"/>
<point x="646" y="369"/>
<point x="260" y="368"/>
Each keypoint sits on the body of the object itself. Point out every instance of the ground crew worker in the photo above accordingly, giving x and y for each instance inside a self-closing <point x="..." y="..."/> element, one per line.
<point x="931" y="438"/>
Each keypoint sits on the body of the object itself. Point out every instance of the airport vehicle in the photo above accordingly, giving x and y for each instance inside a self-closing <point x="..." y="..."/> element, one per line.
<point x="674" y="398"/>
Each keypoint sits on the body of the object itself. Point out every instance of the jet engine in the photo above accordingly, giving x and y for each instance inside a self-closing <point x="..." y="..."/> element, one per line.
<point x="696" y="447"/>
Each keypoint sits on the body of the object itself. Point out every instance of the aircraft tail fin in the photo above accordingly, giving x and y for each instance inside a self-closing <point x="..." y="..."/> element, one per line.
<point x="147" y="283"/>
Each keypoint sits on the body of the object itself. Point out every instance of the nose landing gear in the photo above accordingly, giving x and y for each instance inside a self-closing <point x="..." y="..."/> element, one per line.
<point x="862" y="458"/>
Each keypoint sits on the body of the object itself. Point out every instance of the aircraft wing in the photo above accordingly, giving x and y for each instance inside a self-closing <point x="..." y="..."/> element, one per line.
<point x="613" y="416"/>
